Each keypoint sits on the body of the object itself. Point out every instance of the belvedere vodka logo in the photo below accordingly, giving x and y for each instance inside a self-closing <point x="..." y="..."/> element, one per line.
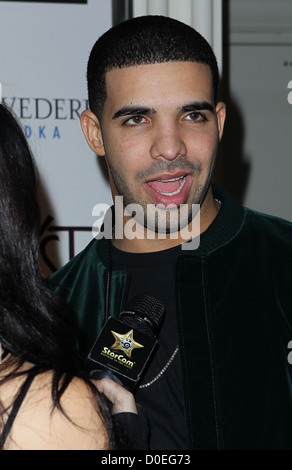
<point x="44" y="117"/>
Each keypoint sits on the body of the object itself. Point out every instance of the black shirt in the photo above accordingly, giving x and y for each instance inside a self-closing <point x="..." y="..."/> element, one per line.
<point x="153" y="274"/>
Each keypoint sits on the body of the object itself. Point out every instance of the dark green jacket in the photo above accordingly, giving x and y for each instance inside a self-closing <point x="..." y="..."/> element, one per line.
<point x="234" y="310"/>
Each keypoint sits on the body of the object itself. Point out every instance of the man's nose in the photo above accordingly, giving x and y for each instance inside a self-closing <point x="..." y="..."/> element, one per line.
<point x="167" y="143"/>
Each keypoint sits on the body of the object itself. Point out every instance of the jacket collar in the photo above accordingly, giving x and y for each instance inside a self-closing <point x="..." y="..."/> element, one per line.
<point x="226" y="224"/>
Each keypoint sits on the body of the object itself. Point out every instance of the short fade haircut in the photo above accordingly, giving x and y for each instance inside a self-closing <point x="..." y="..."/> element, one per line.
<point x="144" y="40"/>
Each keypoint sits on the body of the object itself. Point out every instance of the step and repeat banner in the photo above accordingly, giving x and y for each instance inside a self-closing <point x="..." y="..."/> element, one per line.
<point x="44" y="50"/>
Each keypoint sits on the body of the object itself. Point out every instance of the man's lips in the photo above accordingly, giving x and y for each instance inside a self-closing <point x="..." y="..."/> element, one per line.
<point x="169" y="189"/>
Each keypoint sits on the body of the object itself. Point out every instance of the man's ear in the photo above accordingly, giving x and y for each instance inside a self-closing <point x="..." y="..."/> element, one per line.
<point x="92" y="131"/>
<point x="221" y="115"/>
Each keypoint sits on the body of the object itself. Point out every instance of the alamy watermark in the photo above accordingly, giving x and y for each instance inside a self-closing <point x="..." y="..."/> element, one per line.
<point x="155" y="222"/>
<point x="289" y="97"/>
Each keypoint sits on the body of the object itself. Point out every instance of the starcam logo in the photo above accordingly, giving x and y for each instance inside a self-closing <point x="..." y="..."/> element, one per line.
<point x="118" y="358"/>
<point x="124" y="343"/>
<point x="44" y="117"/>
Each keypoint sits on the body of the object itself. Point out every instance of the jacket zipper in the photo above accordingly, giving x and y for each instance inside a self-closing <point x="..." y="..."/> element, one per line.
<point x="107" y="296"/>
<point x="219" y="433"/>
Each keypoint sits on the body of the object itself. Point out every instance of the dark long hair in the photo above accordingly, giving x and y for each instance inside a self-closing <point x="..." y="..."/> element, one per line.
<point x="35" y="326"/>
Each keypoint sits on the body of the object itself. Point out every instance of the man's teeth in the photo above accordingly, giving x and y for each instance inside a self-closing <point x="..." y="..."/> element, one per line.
<point x="183" y="178"/>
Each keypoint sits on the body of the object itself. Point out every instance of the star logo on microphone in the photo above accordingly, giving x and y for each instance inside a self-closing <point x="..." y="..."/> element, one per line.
<point x="125" y="343"/>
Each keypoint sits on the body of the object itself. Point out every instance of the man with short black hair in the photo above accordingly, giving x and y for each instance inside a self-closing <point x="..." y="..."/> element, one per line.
<point x="220" y="378"/>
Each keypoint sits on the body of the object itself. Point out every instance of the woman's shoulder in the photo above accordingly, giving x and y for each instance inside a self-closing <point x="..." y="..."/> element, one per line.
<point x="41" y="426"/>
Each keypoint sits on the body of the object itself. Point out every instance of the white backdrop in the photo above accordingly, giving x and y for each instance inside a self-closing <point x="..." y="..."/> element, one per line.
<point x="257" y="163"/>
<point x="44" y="49"/>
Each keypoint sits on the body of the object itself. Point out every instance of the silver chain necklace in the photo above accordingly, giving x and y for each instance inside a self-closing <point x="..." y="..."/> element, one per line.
<point x="162" y="370"/>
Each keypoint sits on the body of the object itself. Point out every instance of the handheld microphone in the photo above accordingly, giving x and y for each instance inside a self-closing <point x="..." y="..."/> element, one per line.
<point x="125" y="345"/>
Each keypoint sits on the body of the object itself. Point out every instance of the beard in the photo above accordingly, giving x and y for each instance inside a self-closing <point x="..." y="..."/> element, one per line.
<point x="156" y="217"/>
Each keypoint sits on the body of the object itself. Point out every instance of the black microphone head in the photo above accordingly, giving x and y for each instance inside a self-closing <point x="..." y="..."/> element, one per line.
<point x="145" y="313"/>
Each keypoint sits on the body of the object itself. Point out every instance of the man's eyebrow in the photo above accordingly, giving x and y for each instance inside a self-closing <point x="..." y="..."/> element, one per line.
<point x="198" y="106"/>
<point x="133" y="111"/>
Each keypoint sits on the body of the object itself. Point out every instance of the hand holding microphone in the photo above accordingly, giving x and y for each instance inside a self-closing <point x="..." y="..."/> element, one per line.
<point x="121" y="400"/>
<point x="121" y="353"/>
